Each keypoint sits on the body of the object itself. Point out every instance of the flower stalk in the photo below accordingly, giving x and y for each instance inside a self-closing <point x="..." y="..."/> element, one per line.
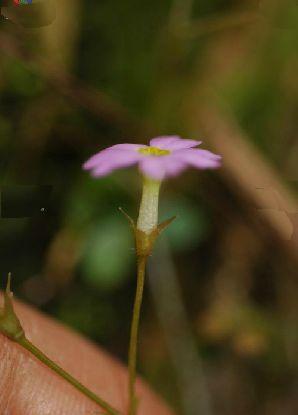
<point x="132" y="354"/>
<point x="146" y="231"/>
<point x="11" y="327"/>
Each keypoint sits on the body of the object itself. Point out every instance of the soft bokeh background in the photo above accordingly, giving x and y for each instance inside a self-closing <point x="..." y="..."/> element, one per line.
<point x="219" y="331"/>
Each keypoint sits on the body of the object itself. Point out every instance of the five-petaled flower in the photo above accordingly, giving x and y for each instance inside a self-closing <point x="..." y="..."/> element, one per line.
<point x="166" y="156"/>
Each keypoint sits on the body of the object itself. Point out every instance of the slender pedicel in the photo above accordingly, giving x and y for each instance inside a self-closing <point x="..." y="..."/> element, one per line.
<point x="146" y="224"/>
<point x="146" y="232"/>
<point x="132" y="354"/>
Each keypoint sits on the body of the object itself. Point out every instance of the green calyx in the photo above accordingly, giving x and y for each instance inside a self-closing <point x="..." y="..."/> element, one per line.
<point x="145" y="241"/>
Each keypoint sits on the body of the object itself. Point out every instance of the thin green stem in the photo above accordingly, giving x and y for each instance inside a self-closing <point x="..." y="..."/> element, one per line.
<point x="132" y="357"/>
<point x="24" y="342"/>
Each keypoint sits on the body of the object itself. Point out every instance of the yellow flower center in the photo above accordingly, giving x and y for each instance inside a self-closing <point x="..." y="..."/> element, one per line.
<point x="153" y="151"/>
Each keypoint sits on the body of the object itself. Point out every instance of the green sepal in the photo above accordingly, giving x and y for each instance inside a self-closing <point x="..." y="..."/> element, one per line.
<point x="145" y="241"/>
<point x="163" y="225"/>
<point x="130" y="220"/>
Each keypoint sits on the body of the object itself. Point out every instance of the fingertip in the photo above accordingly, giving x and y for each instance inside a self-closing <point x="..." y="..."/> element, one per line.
<point x="38" y="390"/>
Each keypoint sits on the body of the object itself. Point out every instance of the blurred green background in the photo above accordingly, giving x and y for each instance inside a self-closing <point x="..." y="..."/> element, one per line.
<point x="219" y="328"/>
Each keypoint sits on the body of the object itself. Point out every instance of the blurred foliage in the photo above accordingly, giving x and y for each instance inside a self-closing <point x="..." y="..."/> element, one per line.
<point x="190" y="226"/>
<point x="77" y="261"/>
<point x="110" y="239"/>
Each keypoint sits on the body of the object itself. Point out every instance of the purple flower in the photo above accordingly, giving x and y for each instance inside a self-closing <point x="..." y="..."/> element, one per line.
<point x="166" y="156"/>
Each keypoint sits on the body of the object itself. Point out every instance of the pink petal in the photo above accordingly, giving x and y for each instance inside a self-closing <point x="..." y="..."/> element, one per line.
<point x="174" y="166"/>
<point x="201" y="159"/>
<point x="114" y="160"/>
<point x="153" y="167"/>
<point x="98" y="158"/>
<point x="160" y="168"/>
<point x="173" y="143"/>
<point x="126" y="146"/>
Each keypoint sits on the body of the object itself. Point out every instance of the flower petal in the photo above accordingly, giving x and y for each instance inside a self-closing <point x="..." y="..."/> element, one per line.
<point x="201" y="159"/>
<point x="153" y="167"/>
<point x="160" y="168"/>
<point x="114" y="160"/>
<point x="100" y="157"/>
<point x="173" y="166"/>
<point x="172" y="143"/>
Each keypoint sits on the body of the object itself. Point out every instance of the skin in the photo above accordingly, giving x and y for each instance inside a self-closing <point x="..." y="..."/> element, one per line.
<point x="27" y="387"/>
